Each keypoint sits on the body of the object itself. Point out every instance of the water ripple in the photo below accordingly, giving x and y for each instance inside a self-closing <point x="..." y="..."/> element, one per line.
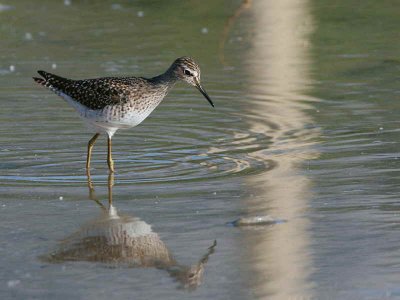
<point x="155" y="154"/>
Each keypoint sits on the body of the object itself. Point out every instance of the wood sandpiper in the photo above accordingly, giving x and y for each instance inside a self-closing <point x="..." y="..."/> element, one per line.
<point x="111" y="103"/>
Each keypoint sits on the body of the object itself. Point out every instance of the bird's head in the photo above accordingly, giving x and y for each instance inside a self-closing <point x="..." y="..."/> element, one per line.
<point x="187" y="70"/>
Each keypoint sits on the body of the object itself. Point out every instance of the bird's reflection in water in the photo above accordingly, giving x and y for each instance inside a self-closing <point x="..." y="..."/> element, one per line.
<point x="123" y="240"/>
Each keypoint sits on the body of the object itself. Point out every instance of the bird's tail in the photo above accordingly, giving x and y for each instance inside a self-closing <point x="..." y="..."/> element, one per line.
<point x="47" y="78"/>
<point x="53" y="82"/>
<point x="41" y="81"/>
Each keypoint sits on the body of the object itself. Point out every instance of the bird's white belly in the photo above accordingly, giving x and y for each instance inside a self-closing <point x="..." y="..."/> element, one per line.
<point x="106" y="120"/>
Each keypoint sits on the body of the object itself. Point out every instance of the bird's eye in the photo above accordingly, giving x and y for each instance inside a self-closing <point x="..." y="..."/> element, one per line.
<point x="187" y="72"/>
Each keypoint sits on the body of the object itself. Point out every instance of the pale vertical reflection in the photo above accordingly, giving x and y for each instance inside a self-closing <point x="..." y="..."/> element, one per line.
<point x="277" y="66"/>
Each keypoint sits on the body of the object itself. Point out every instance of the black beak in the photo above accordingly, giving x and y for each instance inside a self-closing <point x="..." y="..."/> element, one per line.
<point x="199" y="87"/>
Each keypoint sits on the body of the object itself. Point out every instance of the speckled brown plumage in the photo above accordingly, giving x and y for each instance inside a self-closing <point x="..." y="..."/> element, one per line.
<point x="111" y="103"/>
<point x="100" y="92"/>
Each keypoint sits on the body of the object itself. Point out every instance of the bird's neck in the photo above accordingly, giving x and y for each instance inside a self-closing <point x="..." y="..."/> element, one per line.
<point x="167" y="79"/>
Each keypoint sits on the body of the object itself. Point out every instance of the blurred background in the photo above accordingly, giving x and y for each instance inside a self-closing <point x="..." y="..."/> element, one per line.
<point x="305" y="130"/>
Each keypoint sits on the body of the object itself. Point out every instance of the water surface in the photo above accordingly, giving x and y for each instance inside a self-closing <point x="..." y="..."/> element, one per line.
<point x="305" y="130"/>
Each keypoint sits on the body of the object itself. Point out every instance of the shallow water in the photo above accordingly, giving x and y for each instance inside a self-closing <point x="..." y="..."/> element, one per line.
<point x="304" y="130"/>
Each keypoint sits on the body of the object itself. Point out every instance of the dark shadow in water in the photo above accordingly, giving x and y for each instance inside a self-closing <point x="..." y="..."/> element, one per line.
<point x="125" y="241"/>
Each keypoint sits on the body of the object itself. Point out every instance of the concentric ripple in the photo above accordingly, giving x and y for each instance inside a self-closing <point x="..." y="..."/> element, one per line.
<point x="178" y="144"/>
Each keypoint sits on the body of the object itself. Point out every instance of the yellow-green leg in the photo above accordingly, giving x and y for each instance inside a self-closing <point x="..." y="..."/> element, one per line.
<point x="110" y="186"/>
<point x="89" y="151"/>
<point x="92" y="194"/>
<point x="109" y="157"/>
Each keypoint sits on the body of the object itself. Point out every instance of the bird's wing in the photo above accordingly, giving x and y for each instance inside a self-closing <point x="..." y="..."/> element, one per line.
<point x="93" y="93"/>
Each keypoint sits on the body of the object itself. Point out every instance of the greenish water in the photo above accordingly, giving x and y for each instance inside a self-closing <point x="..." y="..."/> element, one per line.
<point x="305" y="129"/>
